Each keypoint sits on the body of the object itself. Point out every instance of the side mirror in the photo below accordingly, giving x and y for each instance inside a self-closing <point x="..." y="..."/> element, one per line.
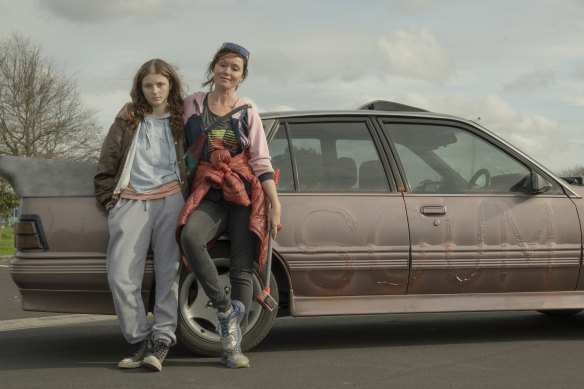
<point x="539" y="184"/>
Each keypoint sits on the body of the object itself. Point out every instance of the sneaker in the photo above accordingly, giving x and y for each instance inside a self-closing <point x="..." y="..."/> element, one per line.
<point x="234" y="359"/>
<point x="135" y="358"/>
<point x="153" y="361"/>
<point x="229" y="329"/>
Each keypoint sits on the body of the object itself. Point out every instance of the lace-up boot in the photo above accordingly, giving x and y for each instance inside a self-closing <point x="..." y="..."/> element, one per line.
<point x="153" y="361"/>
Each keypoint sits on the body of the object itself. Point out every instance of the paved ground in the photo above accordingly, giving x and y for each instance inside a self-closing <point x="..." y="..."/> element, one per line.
<point x="463" y="350"/>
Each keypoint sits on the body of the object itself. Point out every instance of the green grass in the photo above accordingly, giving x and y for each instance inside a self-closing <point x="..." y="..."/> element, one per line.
<point x="7" y="241"/>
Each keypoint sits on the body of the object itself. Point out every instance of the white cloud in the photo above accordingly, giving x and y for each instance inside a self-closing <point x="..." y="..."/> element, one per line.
<point x="281" y="108"/>
<point x="258" y="108"/>
<point x="413" y="6"/>
<point x="541" y="78"/>
<point x="273" y="64"/>
<point x="415" y="53"/>
<point x="578" y="100"/>
<point x="94" y="11"/>
<point x="351" y="72"/>
<point x="579" y="73"/>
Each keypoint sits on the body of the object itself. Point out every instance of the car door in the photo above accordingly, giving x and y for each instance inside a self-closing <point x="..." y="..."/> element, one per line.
<point x="475" y="224"/>
<point x="344" y="229"/>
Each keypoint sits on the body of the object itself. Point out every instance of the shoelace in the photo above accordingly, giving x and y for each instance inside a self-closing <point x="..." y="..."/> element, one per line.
<point x="224" y="327"/>
<point x="140" y="349"/>
<point x="224" y="324"/>
<point x="160" y="350"/>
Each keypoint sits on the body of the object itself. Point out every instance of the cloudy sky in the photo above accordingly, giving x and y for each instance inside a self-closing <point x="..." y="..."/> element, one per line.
<point x="517" y="65"/>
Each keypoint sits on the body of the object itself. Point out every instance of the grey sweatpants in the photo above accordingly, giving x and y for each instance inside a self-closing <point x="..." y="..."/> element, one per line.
<point x="134" y="225"/>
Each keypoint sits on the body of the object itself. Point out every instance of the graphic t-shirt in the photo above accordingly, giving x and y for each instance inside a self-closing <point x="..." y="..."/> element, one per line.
<point x="222" y="137"/>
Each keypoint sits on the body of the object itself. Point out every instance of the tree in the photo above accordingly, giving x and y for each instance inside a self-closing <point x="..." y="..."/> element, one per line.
<point x="41" y="114"/>
<point x="574" y="171"/>
<point x="8" y="201"/>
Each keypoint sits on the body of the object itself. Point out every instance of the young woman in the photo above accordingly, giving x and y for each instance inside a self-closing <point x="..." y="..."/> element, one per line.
<point x="229" y="191"/>
<point x="141" y="182"/>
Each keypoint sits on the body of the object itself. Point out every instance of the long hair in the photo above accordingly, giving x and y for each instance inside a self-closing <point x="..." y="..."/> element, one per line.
<point x="216" y="58"/>
<point x="140" y="107"/>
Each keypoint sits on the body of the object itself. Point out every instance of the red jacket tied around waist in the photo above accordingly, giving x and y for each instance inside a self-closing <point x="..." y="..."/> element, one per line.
<point x="225" y="172"/>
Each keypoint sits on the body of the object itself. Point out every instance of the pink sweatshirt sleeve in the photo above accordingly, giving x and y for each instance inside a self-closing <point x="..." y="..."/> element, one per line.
<point x="189" y="107"/>
<point x="259" y="154"/>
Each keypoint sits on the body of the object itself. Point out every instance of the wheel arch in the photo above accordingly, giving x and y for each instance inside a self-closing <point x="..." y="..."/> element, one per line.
<point x="282" y="276"/>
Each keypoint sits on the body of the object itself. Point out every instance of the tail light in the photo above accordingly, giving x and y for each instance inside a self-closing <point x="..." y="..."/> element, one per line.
<point x="29" y="233"/>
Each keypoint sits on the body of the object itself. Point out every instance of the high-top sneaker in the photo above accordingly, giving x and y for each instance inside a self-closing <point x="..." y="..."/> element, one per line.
<point x="153" y="361"/>
<point x="135" y="358"/>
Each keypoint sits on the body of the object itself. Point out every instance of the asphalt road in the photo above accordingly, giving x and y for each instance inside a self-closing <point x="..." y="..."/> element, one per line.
<point x="466" y="350"/>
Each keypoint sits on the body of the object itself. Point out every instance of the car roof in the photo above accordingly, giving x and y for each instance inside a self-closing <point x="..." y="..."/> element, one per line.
<point x="309" y="113"/>
<point x="377" y="107"/>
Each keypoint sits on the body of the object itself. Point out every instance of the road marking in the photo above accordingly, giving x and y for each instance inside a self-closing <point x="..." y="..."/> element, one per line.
<point x="52" y="321"/>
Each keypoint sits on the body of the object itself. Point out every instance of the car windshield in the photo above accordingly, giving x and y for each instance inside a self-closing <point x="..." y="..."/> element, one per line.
<point x="451" y="160"/>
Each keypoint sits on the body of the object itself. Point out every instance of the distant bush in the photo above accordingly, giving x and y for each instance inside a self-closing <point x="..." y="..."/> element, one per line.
<point x="7" y="241"/>
<point x="575" y="171"/>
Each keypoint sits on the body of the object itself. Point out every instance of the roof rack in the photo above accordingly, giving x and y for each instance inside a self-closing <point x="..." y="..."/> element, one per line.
<point x="383" y="105"/>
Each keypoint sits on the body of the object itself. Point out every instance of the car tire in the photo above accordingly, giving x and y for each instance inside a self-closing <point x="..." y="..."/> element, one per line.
<point x="197" y="320"/>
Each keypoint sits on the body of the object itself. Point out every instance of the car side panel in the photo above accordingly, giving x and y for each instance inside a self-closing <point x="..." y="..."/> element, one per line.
<point x="72" y="224"/>
<point x="341" y="244"/>
<point x="71" y="275"/>
<point x="494" y="244"/>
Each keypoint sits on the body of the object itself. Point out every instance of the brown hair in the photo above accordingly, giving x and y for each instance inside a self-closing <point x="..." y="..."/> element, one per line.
<point x="140" y="107"/>
<point x="218" y="55"/>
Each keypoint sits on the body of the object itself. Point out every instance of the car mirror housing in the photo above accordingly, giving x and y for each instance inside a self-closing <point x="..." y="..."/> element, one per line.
<point x="539" y="184"/>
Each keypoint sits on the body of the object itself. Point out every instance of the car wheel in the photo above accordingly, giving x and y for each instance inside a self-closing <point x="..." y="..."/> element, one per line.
<point x="197" y="319"/>
<point x="560" y="312"/>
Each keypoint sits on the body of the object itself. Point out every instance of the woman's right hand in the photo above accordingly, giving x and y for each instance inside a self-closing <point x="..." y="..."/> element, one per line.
<point x="275" y="209"/>
<point x="274" y="214"/>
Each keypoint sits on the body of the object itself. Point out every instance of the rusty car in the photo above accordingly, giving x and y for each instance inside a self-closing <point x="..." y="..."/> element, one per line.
<point x="386" y="209"/>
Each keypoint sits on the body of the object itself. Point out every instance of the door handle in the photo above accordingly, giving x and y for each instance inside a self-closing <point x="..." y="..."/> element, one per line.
<point x="433" y="210"/>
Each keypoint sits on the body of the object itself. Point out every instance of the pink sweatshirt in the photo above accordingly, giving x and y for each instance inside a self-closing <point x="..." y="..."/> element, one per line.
<point x="255" y="142"/>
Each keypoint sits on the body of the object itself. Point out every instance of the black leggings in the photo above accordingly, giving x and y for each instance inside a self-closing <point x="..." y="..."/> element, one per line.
<point x="208" y="220"/>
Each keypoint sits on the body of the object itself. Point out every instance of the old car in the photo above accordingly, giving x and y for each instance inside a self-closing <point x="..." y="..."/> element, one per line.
<point x="385" y="209"/>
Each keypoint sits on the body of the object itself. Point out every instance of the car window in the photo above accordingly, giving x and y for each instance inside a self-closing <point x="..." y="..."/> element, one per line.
<point x="443" y="159"/>
<point x="281" y="160"/>
<point x="329" y="157"/>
